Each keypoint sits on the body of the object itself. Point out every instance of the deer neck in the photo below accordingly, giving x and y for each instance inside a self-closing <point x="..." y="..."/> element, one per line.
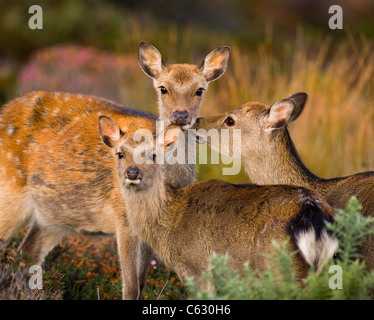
<point x="179" y="175"/>
<point x="182" y="173"/>
<point x="280" y="165"/>
<point x="147" y="210"/>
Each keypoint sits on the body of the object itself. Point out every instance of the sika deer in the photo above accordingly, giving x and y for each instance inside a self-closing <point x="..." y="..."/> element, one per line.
<point x="57" y="175"/>
<point x="180" y="88"/>
<point x="184" y="226"/>
<point x="270" y="157"/>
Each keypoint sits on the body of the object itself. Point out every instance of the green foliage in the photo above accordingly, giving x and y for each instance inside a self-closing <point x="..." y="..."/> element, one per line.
<point x="350" y="227"/>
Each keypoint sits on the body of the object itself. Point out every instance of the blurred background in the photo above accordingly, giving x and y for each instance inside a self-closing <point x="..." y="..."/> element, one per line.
<point x="277" y="47"/>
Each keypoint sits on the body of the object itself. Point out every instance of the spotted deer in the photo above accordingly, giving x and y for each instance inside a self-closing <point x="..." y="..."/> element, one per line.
<point x="57" y="176"/>
<point x="184" y="226"/>
<point x="270" y="157"/>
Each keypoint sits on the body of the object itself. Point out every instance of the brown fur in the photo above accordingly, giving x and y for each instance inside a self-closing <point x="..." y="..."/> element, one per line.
<point x="187" y="225"/>
<point x="269" y="157"/>
<point x="57" y="175"/>
<point x="181" y="82"/>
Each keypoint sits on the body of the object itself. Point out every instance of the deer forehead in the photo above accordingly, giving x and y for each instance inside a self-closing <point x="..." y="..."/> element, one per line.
<point x="182" y="75"/>
<point x="131" y="141"/>
<point x="254" y="108"/>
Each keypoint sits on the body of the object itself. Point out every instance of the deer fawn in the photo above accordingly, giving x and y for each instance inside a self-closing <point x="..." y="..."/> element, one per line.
<point x="184" y="226"/>
<point x="270" y="157"/>
<point x="57" y="175"/>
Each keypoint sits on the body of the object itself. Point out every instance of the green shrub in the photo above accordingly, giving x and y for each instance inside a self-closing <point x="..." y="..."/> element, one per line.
<point x="352" y="230"/>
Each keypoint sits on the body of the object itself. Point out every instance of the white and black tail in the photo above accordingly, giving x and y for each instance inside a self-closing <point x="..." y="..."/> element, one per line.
<point x="308" y="231"/>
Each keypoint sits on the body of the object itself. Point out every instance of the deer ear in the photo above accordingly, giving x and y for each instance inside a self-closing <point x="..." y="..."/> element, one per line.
<point x="279" y="114"/>
<point x="300" y="99"/>
<point x="150" y="59"/>
<point x="285" y="111"/>
<point x="215" y="63"/>
<point x="110" y="132"/>
<point x="169" y="136"/>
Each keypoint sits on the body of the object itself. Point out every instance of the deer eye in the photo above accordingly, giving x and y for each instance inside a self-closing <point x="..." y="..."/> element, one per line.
<point x="152" y="157"/>
<point x="163" y="90"/>
<point x="199" y="92"/>
<point x="119" y="155"/>
<point x="229" y="121"/>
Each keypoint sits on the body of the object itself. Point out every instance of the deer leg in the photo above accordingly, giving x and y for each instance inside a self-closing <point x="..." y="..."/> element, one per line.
<point x="38" y="242"/>
<point x="15" y="211"/>
<point x="128" y="250"/>
<point x="145" y="256"/>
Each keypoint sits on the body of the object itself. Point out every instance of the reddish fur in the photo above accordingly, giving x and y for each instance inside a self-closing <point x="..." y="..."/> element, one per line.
<point x="57" y="173"/>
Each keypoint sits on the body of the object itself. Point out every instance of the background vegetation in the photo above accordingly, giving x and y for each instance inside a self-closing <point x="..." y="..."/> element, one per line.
<point x="90" y="47"/>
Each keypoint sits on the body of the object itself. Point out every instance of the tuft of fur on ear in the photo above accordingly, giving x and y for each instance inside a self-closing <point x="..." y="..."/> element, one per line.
<point x="110" y="132"/>
<point x="150" y="59"/>
<point x="215" y="63"/>
<point x="168" y="136"/>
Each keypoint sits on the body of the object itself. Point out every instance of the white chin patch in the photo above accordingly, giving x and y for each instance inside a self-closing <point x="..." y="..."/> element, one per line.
<point x="130" y="182"/>
<point x="185" y="127"/>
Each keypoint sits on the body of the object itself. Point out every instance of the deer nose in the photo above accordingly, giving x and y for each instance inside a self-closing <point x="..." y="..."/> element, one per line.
<point x="132" y="173"/>
<point x="180" y="118"/>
